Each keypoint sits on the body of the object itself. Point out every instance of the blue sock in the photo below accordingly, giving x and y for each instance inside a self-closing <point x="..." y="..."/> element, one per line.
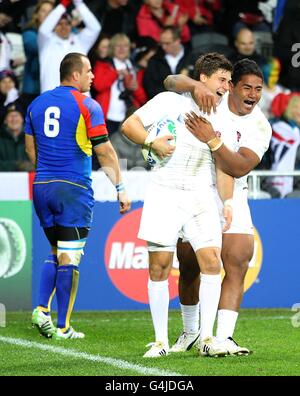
<point x="47" y="283"/>
<point x="66" y="290"/>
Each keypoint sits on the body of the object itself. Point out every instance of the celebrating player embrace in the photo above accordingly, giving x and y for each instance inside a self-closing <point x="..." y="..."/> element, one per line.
<point x="181" y="198"/>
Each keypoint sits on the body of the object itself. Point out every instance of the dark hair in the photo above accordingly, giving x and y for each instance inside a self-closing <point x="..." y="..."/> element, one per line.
<point x="245" y="67"/>
<point x="71" y="62"/>
<point x="8" y="73"/>
<point x="14" y="107"/>
<point x="141" y="52"/>
<point x="209" y="63"/>
<point x="175" y="31"/>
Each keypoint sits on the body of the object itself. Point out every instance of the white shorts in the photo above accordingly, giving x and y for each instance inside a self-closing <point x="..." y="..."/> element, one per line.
<point x="241" y="216"/>
<point x="168" y="211"/>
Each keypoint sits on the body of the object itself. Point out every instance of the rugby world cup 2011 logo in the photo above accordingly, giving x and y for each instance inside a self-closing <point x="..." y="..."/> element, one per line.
<point x="127" y="262"/>
<point x="12" y="248"/>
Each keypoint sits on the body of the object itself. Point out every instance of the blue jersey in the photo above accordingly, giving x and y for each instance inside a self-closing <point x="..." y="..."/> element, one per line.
<point x="62" y="121"/>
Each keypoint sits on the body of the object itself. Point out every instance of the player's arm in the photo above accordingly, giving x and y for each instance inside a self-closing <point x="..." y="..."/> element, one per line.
<point x="109" y="162"/>
<point x="225" y="185"/>
<point x="204" y="98"/>
<point x="236" y="164"/>
<point x="30" y="148"/>
<point x="134" y="130"/>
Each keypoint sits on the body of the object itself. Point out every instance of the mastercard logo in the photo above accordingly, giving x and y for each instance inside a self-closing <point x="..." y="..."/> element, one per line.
<point x="127" y="262"/>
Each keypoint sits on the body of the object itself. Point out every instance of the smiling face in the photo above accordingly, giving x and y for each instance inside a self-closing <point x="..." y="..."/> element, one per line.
<point x="217" y="83"/>
<point x="245" y="94"/>
<point x="14" y="121"/>
<point x="63" y="28"/>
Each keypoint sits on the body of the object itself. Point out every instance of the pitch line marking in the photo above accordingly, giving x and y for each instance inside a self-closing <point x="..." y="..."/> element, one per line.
<point x="121" y="364"/>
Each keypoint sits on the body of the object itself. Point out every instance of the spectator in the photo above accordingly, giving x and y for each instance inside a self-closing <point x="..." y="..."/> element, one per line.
<point x="142" y="56"/>
<point x="116" y="16"/>
<point x="12" y="142"/>
<point x="245" y="48"/>
<point x="55" y="40"/>
<point x="11" y="12"/>
<point x="201" y="14"/>
<point x="155" y="15"/>
<point x="5" y="50"/>
<point x="119" y="90"/>
<point x="285" y="140"/>
<point x="8" y="90"/>
<point x="146" y="48"/>
<point x="271" y="72"/>
<point x="31" y="77"/>
<point x="100" y="49"/>
<point x="171" y="58"/>
<point x="241" y="14"/>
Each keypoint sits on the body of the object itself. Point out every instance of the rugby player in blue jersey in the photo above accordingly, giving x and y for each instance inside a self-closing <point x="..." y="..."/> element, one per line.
<point x="62" y="127"/>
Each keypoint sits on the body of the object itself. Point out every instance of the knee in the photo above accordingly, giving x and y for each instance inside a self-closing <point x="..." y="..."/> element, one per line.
<point x="69" y="259"/>
<point x="159" y="270"/>
<point x="236" y="264"/>
<point x="69" y="252"/>
<point x="64" y="259"/>
<point x="158" y="273"/>
<point x="210" y="261"/>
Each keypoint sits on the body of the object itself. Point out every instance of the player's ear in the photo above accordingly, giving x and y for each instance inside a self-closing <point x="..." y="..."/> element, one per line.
<point x="76" y="75"/>
<point x="203" y="77"/>
<point x="230" y="86"/>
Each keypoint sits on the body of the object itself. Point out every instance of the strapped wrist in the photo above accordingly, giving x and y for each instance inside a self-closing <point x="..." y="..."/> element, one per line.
<point x="149" y="141"/>
<point x="120" y="187"/>
<point x="228" y="202"/>
<point x="214" y="143"/>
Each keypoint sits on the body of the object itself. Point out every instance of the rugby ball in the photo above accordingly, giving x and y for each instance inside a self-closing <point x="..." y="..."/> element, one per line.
<point x="164" y="127"/>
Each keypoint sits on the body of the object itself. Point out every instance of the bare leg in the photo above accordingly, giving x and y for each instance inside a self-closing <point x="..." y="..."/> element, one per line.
<point x="237" y="251"/>
<point x="189" y="278"/>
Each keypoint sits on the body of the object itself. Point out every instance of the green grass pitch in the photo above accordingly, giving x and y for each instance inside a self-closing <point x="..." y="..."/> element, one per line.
<point x="115" y="343"/>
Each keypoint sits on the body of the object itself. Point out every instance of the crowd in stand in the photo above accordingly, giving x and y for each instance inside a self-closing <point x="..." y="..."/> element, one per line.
<point x="133" y="45"/>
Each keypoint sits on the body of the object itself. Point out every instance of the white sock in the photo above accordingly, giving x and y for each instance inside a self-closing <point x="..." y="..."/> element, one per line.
<point x="158" y="293"/>
<point x="226" y="323"/>
<point x="190" y="318"/>
<point x="210" y="290"/>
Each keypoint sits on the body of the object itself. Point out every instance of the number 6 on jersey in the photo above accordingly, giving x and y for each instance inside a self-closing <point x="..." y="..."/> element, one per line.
<point x="51" y="124"/>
